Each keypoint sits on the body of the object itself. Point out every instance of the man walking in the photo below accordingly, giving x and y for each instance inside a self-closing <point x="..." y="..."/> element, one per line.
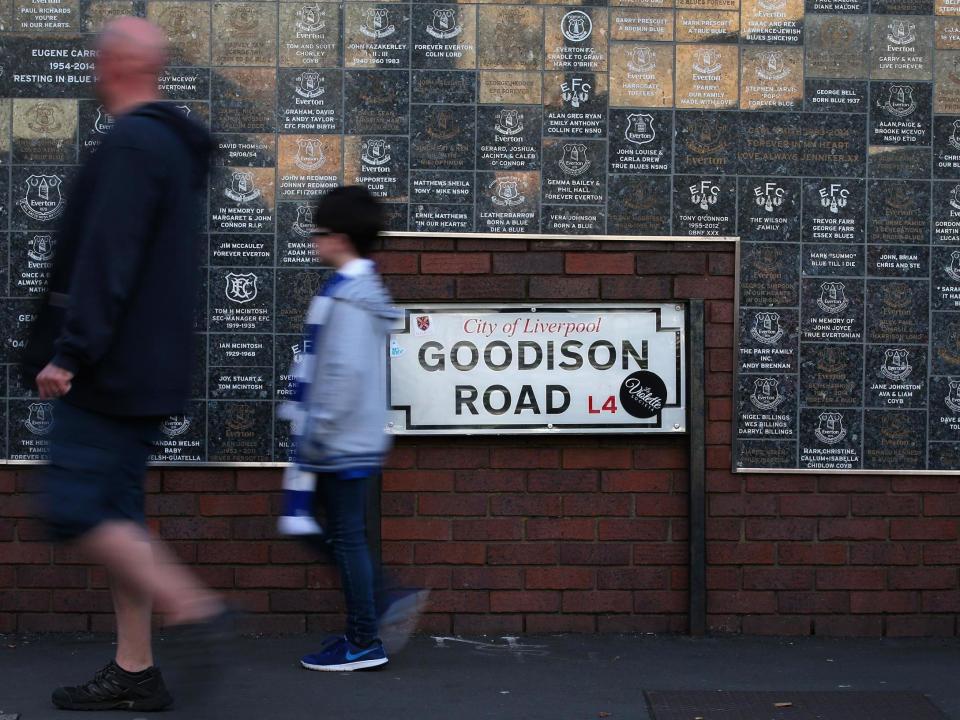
<point x="114" y="344"/>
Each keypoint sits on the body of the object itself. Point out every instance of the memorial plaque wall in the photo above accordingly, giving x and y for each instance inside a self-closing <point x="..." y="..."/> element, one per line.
<point x="824" y="133"/>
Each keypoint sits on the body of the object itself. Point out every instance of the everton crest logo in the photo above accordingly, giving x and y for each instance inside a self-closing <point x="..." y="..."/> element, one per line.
<point x="834" y="198"/>
<point x="773" y="5"/>
<point x="830" y="429"/>
<point x="303" y="223"/>
<point x="175" y="425"/>
<point x="896" y="364"/>
<point x="443" y="25"/>
<point x="43" y="200"/>
<point x="444" y="126"/>
<point x="766" y="394"/>
<point x="375" y="152"/>
<point x="640" y="130"/>
<point x="953" y="396"/>
<point x="104" y="122"/>
<point x="706" y="137"/>
<point x="40" y="248"/>
<point x="766" y="328"/>
<point x="241" y="287"/>
<point x="308" y="84"/>
<point x="509" y="121"/>
<point x="184" y="109"/>
<point x="953" y="269"/>
<point x="771" y="66"/>
<point x="707" y="61"/>
<point x="310" y="18"/>
<point x="769" y="196"/>
<point x="506" y="192"/>
<point x="901" y="32"/>
<point x="39" y="418"/>
<point x="642" y="60"/>
<point x="309" y="154"/>
<point x="955" y="197"/>
<point x="704" y="194"/>
<point x="833" y="299"/>
<point x="376" y="23"/>
<point x="44" y="118"/>
<point x="575" y="91"/>
<point x="954" y="138"/>
<point x="242" y="188"/>
<point x="576" y="26"/>
<point x="900" y="102"/>
<point x="574" y="161"/>
<point x="243" y="19"/>
<point x="241" y="418"/>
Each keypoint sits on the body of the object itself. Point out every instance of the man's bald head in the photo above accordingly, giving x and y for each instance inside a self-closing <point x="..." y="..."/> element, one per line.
<point x="131" y="53"/>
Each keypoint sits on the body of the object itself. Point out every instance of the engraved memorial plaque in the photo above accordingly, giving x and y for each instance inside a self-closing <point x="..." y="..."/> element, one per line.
<point x="575" y="104"/>
<point x="834" y="211"/>
<point x="764" y="453"/>
<point x="445" y="36"/>
<point x="241" y="368"/>
<point x="705" y="142"/>
<point x="31" y="260"/>
<point x="894" y="161"/>
<point x="309" y="34"/>
<point x="379" y="163"/>
<point x="946" y="33"/>
<point x="771" y="79"/>
<point x="832" y="145"/>
<point x="95" y="14"/>
<point x="59" y="66"/>
<point x="242" y="199"/>
<point x="950" y="8"/>
<point x="832" y="310"/>
<point x="574" y="172"/>
<point x="895" y="376"/>
<point x="820" y="260"/>
<point x="769" y="275"/>
<point x="830" y="439"/>
<point x="185" y="83"/>
<point x="851" y="7"/>
<point x="295" y="290"/>
<point x="45" y="131"/>
<point x="836" y="46"/>
<point x="946" y="147"/>
<point x="378" y="102"/>
<point x="641" y="75"/>
<point x="707" y="26"/>
<point x="894" y="439"/>
<point x="245" y="33"/>
<point x="945" y="278"/>
<point x="640" y="24"/>
<point x="770" y="143"/>
<point x="29" y="425"/>
<point x="901" y="47"/>
<point x="899" y="311"/>
<point x="769" y="210"/>
<point x="376" y="35"/>
<point x="241" y="300"/>
<point x="772" y="21"/>
<point x="767" y="407"/>
<point x="730" y="5"/>
<point x="187" y="25"/>
<point x="308" y="166"/>
<point x="294" y="244"/>
<point x="900" y="114"/>
<point x="310" y="101"/>
<point x="236" y="431"/>
<point x="946" y="91"/>
<point x="442" y="188"/>
<point x="830" y="375"/>
<point x="847" y="96"/>
<point x="435" y="86"/>
<point x="251" y="150"/>
<point x="640" y="142"/>
<point x="892" y="261"/>
<point x="442" y="137"/>
<point x="946" y="213"/>
<point x="244" y="100"/>
<point x="516" y="88"/>
<point x="704" y="205"/>
<point x="183" y="438"/>
<point x="638" y="205"/>
<point x="42" y="16"/>
<point x="572" y="220"/>
<point x="508" y="137"/>
<point x="899" y="212"/>
<point x="575" y="39"/>
<point x="510" y="38"/>
<point x="944" y="346"/>
<point x="441" y="218"/>
<point x="241" y="249"/>
<point x="944" y="417"/>
<point x="39" y="196"/>
<point x="508" y="202"/>
<point x="707" y="76"/>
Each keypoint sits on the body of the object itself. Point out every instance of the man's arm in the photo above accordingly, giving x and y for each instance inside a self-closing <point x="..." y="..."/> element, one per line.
<point x="111" y="250"/>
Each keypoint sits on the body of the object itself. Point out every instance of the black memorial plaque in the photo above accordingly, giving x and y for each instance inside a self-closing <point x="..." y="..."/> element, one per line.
<point x="825" y="134"/>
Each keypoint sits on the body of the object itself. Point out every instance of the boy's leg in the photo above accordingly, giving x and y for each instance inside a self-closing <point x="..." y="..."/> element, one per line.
<point x="345" y="501"/>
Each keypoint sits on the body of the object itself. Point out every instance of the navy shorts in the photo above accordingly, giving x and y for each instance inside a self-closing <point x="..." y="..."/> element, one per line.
<point x="96" y="469"/>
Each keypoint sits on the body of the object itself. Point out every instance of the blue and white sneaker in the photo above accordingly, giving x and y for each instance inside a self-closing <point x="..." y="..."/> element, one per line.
<point x="341" y="655"/>
<point x="399" y="620"/>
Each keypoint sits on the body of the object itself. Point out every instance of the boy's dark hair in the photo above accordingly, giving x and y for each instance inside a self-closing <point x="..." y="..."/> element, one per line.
<point x="352" y="211"/>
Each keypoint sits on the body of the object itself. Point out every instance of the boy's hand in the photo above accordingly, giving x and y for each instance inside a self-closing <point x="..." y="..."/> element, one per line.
<point x="53" y="382"/>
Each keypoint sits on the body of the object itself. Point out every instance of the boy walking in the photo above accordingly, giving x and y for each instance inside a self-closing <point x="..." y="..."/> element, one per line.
<point x="338" y="416"/>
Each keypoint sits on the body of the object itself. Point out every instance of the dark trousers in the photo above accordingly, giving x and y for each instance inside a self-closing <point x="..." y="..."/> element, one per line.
<point x="344" y="502"/>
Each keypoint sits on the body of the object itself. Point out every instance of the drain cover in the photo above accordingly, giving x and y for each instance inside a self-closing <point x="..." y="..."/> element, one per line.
<point x="680" y="705"/>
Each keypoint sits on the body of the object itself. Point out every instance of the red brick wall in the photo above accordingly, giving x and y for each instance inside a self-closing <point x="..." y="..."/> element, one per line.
<point x="551" y="534"/>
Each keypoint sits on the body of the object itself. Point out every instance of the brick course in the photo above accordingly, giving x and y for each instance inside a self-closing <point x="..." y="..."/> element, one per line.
<point x="571" y="534"/>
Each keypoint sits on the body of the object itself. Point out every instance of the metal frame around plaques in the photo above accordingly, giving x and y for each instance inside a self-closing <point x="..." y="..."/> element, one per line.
<point x="488" y="236"/>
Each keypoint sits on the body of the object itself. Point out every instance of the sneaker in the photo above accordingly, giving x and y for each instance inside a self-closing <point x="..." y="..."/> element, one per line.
<point x="113" y="688"/>
<point x="341" y="655"/>
<point x="399" y="620"/>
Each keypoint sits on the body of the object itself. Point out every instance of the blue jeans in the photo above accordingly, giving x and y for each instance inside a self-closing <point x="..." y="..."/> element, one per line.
<point x="345" y="503"/>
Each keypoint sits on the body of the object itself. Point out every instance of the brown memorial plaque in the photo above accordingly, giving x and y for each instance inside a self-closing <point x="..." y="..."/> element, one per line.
<point x="771" y="78"/>
<point x="641" y="75"/>
<point x="244" y="33"/>
<point x="707" y="76"/>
